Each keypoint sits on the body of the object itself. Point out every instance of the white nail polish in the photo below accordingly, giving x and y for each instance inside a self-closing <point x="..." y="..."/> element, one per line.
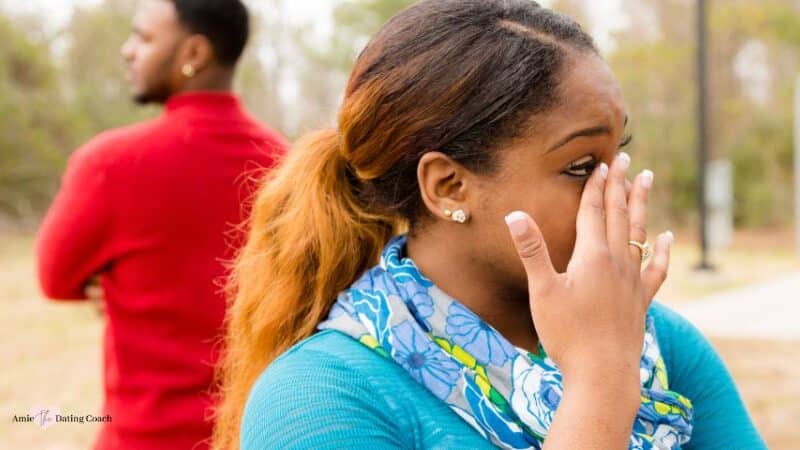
<point x="517" y="223"/>
<point x="668" y="237"/>
<point x="624" y="160"/>
<point x="646" y="178"/>
<point x="603" y="170"/>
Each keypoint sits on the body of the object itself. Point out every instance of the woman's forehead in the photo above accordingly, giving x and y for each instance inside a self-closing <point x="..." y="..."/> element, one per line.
<point x="589" y="89"/>
<point x="590" y="105"/>
<point x="589" y="97"/>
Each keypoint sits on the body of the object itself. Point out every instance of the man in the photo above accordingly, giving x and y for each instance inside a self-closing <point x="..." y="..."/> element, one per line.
<point x="150" y="209"/>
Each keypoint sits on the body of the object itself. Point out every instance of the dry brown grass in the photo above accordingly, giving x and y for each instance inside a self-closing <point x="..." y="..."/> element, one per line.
<point x="52" y="351"/>
<point x="768" y="376"/>
<point x="51" y="354"/>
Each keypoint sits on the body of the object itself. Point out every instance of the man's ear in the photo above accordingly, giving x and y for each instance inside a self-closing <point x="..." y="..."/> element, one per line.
<point x="197" y="51"/>
<point x="443" y="184"/>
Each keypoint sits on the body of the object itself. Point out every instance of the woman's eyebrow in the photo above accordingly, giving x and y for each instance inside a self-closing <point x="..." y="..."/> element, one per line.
<point x="586" y="132"/>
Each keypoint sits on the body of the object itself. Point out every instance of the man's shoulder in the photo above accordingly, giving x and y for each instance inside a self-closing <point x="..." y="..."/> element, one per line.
<point x="272" y="140"/>
<point x="105" y="148"/>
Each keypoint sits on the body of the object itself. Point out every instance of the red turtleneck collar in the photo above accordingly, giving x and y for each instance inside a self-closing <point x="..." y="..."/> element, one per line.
<point x="203" y="100"/>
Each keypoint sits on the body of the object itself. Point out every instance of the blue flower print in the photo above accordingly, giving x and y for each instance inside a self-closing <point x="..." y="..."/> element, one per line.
<point x="376" y="280"/>
<point x="420" y="299"/>
<point x="424" y="360"/>
<point x="372" y="309"/>
<point x="402" y="270"/>
<point x="500" y="425"/>
<point x="477" y="337"/>
<point x="550" y="397"/>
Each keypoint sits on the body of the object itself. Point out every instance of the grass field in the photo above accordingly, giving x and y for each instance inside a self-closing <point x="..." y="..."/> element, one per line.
<point x="51" y="351"/>
<point x="51" y="355"/>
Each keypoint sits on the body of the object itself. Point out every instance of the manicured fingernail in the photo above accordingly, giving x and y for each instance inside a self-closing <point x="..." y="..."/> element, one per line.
<point x="603" y="170"/>
<point x="624" y="160"/>
<point x="667" y="237"/>
<point x="646" y="178"/>
<point x="517" y="223"/>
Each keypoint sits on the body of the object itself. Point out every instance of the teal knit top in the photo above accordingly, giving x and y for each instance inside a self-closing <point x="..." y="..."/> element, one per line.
<point x="331" y="392"/>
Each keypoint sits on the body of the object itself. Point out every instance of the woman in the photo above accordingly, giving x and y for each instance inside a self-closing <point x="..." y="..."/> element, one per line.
<point x="489" y="130"/>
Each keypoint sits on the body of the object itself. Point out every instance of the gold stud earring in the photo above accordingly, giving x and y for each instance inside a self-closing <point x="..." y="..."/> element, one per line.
<point x="447" y="212"/>
<point x="459" y="216"/>
<point x="188" y="70"/>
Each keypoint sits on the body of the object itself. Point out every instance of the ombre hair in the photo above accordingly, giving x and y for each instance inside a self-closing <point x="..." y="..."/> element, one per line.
<point x="456" y="76"/>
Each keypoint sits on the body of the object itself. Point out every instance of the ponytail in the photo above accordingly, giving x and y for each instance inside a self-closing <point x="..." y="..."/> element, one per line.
<point x="309" y="239"/>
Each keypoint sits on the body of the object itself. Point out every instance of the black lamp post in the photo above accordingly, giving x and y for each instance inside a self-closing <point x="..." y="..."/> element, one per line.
<point x="702" y="130"/>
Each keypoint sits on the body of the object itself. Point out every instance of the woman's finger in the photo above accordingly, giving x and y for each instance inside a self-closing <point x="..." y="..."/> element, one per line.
<point x="637" y="206"/>
<point x="628" y="189"/>
<point x="616" y="205"/>
<point x="532" y="250"/>
<point x="590" y="224"/>
<point x="656" y="272"/>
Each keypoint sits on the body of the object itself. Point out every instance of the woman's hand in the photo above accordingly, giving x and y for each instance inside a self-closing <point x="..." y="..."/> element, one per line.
<point x="591" y="319"/>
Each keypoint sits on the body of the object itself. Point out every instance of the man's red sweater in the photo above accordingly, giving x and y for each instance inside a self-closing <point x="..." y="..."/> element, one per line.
<point x="152" y="208"/>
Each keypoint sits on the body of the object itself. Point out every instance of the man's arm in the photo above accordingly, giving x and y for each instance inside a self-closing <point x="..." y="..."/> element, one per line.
<point x="74" y="242"/>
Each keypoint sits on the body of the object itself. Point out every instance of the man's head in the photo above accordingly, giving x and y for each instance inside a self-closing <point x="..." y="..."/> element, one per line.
<point x="180" y="45"/>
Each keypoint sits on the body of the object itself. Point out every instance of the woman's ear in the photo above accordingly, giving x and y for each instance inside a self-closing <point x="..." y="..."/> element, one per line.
<point x="443" y="184"/>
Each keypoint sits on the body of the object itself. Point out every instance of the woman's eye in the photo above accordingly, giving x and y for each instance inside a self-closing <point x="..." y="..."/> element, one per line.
<point x="581" y="168"/>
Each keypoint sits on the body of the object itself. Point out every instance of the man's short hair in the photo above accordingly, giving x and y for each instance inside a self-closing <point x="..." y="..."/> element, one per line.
<point x="225" y="23"/>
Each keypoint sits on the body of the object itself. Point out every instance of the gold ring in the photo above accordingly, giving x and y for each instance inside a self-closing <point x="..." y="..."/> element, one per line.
<point x="644" y="249"/>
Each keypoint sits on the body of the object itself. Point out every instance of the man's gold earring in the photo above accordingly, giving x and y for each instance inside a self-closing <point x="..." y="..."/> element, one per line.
<point x="188" y="70"/>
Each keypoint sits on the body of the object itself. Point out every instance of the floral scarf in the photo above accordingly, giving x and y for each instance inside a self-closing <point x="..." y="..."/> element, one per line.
<point x="509" y="395"/>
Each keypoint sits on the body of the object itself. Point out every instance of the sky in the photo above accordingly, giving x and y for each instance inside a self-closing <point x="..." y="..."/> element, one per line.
<point x="606" y="15"/>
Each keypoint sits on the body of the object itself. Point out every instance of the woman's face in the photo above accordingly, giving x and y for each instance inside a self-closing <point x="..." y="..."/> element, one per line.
<point x="544" y="172"/>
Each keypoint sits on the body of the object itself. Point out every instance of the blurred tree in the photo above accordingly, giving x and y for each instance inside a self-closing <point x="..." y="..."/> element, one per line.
<point x="260" y="71"/>
<point x="325" y="66"/>
<point x="654" y="62"/>
<point x="754" y="70"/>
<point x="33" y="133"/>
<point x="356" y="21"/>
<point x="286" y="77"/>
